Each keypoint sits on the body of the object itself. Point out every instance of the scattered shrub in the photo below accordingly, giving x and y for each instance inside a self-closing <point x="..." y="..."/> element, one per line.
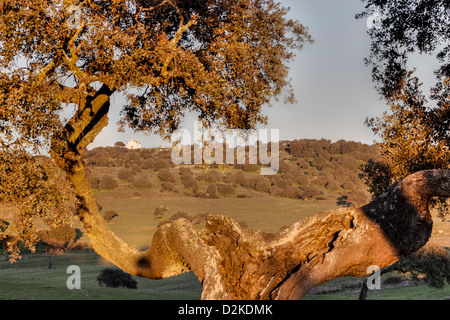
<point x="237" y="178"/>
<point x="284" y="167"/>
<point x="115" y="278"/>
<point x="215" y="175"/>
<point x="94" y="181"/>
<point x="309" y="192"/>
<point x="212" y="190"/>
<point x="142" y="182"/>
<point x="126" y="174"/>
<point x="108" y="183"/>
<point x="226" y="189"/>
<point x="136" y="168"/>
<point x="191" y="183"/>
<point x="318" y="162"/>
<point x="146" y="153"/>
<point x="348" y="185"/>
<point x="167" y="186"/>
<point x="161" y="164"/>
<point x="275" y="191"/>
<point x="166" y="175"/>
<point x="348" y="162"/>
<point x="205" y="176"/>
<point x="185" y="172"/>
<point x="148" y="164"/>
<point x="291" y="192"/>
<point x="262" y="184"/>
<point x="332" y="185"/>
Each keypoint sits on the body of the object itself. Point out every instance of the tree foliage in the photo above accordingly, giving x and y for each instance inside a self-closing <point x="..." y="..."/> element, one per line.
<point x="223" y="60"/>
<point x="415" y="131"/>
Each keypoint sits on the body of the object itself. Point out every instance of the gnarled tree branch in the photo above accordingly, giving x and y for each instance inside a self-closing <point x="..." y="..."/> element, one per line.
<point x="233" y="262"/>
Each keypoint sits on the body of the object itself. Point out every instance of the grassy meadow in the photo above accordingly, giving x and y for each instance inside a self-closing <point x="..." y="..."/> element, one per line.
<point x="264" y="203"/>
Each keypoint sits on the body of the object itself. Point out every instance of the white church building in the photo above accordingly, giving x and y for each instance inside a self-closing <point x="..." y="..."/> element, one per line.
<point x="133" y="145"/>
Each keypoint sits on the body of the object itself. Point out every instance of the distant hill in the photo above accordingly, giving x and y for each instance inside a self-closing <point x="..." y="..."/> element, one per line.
<point x="309" y="170"/>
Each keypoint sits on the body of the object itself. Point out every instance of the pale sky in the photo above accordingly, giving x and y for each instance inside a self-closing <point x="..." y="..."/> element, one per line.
<point x="332" y="85"/>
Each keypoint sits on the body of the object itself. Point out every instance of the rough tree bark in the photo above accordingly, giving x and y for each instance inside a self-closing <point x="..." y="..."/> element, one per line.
<point x="233" y="262"/>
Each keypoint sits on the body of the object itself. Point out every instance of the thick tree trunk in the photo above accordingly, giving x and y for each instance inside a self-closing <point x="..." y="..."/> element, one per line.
<point x="233" y="262"/>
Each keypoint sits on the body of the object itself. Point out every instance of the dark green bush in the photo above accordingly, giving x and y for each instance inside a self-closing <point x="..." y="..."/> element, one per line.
<point x="115" y="278"/>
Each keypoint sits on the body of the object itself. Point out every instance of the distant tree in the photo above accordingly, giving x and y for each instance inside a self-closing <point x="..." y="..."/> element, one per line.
<point x="414" y="132"/>
<point x="377" y="176"/>
<point x="57" y="240"/>
<point x="119" y="144"/>
<point x="431" y="263"/>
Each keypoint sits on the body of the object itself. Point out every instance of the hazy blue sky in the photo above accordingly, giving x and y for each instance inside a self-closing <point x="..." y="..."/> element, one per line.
<point x="333" y="88"/>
